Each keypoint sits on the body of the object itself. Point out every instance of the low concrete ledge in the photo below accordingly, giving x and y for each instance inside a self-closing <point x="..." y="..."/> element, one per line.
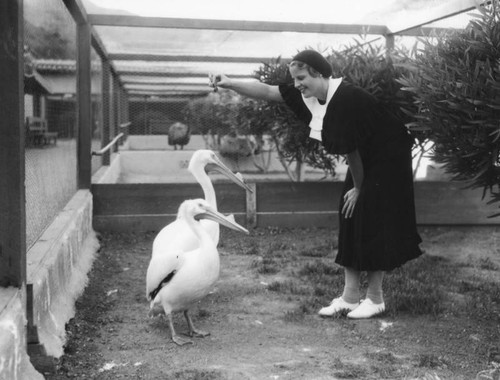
<point x="14" y="360"/>
<point x="57" y="268"/>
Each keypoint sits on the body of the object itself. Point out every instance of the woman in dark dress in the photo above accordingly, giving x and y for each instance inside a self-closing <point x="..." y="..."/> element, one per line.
<point x="377" y="212"/>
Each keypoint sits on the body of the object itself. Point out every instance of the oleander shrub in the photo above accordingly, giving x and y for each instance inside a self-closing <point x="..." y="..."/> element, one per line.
<point x="455" y="84"/>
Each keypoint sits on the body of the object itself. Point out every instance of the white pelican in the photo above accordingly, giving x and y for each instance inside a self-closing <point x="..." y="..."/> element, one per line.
<point x="177" y="281"/>
<point x="176" y="236"/>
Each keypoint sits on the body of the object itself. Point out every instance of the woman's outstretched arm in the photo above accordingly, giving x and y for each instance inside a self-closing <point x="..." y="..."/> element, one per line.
<point x="256" y="90"/>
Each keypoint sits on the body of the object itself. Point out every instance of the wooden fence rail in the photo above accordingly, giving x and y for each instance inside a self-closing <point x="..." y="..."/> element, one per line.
<point x="149" y="207"/>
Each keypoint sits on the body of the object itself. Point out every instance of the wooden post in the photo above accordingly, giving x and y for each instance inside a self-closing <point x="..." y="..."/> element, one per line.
<point x="84" y="109"/>
<point x="12" y="136"/>
<point x="106" y="105"/>
<point x="252" y="206"/>
<point x="389" y="43"/>
<point x="112" y="106"/>
<point x="116" y="110"/>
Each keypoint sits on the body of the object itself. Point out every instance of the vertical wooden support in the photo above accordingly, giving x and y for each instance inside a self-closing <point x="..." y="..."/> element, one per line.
<point x="252" y="206"/>
<point x="12" y="136"/>
<point x="84" y="108"/>
<point x="106" y="105"/>
<point x="389" y="43"/>
<point x="116" y="110"/>
<point x="125" y="117"/>
<point x="112" y="105"/>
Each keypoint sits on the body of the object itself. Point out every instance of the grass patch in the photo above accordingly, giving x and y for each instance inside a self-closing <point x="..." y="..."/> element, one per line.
<point x="318" y="251"/>
<point x="348" y="370"/>
<point x="296" y="315"/>
<point x="424" y="286"/>
<point x="417" y="287"/>
<point x="266" y="266"/>
<point x="483" y="299"/>
<point x="431" y="361"/>
<point x="487" y="264"/>
<point x="319" y="269"/>
<point x="203" y="313"/>
<point x="289" y="287"/>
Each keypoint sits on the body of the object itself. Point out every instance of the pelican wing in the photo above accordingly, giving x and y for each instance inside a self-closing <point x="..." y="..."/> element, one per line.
<point x="161" y="268"/>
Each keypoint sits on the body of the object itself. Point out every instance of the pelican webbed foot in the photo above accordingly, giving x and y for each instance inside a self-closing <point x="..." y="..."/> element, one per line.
<point x="193" y="332"/>
<point x="176" y="338"/>
<point x="181" y="341"/>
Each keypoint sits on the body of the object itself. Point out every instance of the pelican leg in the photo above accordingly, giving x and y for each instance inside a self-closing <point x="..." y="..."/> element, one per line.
<point x="192" y="330"/>
<point x="176" y="338"/>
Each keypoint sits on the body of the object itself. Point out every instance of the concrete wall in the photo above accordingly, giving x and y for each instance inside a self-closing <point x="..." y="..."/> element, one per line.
<point x="149" y="159"/>
<point x="14" y="360"/>
<point x="57" y="267"/>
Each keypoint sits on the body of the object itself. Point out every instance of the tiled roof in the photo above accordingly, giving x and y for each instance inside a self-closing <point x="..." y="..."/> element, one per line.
<point x="60" y="66"/>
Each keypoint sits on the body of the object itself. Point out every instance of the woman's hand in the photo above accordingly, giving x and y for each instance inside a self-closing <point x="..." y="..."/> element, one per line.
<point x="350" y="199"/>
<point x="218" y="80"/>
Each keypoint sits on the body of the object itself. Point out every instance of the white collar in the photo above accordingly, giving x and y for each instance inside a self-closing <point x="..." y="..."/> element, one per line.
<point x="318" y="110"/>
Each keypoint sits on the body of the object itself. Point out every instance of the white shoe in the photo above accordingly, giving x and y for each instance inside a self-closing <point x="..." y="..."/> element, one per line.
<point x="338" y="304"/>
<point x="367" y="309"/>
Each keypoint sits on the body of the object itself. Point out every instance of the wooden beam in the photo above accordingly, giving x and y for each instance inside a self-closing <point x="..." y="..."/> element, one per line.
<point x="169" y="93"/>
<point x="168" y="87"/>
<point x="12" y="155"/>
<point x="423" y="32"/>
<point x="84" y="108"/>
<point x="170" y="99"/>
<point x="98" y="45"/>
<point x="77" y="11"/>
<point x="445" y="10"/>
<point x="160" y="74"/>
<point x="190" y="58"/>
<point x="254" y="26"/>
<point x="169" y="81"/>
<point x="106" y="106"/>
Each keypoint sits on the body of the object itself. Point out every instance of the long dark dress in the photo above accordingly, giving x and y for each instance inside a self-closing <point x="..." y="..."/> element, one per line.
<point x="382" y="232"/>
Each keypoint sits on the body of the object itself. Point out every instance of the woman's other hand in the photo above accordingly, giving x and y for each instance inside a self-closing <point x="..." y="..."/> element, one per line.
<point x="350" y="199"/>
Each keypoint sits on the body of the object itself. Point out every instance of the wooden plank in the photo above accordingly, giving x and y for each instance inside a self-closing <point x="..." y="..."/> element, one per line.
<point x="292" y="220"/>
<point x="443" y="11"/>
<point x="129" y="223"/>
<point x="136" y="199"/>
<point x="84" y="109"/>
<point x="449" y="203"/>
<point x="140" y="223"/>
<point x="169" y="74"/>
<point x="189" y="58"/>
<point x="253" y="26"/>
<point x="77" y="11"/>
<point x="12" y="136"/>
<point x="284" y="204"/>
<point x="302" y="196"/>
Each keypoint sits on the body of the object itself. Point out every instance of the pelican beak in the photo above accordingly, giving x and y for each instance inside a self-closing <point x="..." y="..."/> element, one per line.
<point x="227" y="221"/>
<point x="237" y="178"/>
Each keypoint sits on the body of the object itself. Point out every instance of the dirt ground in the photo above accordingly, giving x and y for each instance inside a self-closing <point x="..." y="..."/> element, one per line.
<point x="257" y="333"/>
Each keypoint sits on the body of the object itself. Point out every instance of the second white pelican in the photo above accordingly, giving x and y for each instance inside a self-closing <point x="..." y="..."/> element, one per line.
<point x="177" y="281"/>
<point x="176" y="236"/>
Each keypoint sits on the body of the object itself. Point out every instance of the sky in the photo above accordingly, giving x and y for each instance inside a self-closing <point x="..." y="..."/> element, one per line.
<point x="320" y="11"/>
<point x="312" y="11"/>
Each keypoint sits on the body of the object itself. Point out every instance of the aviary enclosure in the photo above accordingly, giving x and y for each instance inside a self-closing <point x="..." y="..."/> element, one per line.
<point x="89" y="88"/>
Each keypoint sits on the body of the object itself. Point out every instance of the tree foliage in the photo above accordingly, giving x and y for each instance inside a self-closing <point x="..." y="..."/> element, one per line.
<point x="455" y="83"/>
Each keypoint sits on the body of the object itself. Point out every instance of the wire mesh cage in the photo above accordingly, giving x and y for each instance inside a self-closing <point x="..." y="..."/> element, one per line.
<point x="50" y="111"/>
